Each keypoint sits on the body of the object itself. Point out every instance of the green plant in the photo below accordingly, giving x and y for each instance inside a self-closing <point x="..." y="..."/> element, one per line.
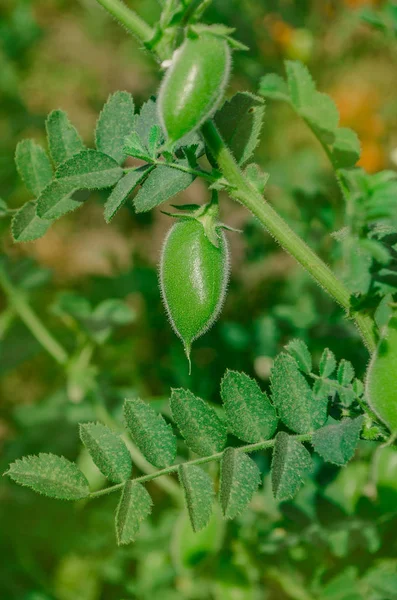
<point x="326" y="408"/>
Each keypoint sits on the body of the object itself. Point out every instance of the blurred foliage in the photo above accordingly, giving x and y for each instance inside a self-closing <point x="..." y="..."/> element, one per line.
<point x="336" y="540"/>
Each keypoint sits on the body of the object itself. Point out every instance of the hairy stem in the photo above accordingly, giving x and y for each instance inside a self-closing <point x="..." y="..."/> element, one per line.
<point x="282" y="232"/>
<point x="306" y="437"/>
<point x="270" y="219"/>
<point x="38" y="329"/>
<point x="137" y="26"/>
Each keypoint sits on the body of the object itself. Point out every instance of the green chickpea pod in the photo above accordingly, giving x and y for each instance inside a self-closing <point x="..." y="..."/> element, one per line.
<point x="194" y="273"/>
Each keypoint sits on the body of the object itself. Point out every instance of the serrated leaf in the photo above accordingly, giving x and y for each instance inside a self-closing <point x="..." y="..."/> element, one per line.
<point x="134" y="506"/>
<point x="26" y="226"/>
<point x="337" y="443"/>
<point x="123" y="189"/>
<point x="153" y="436"/>
<point x="50" y="475"/>
<point x="240" y="478"/>
<point x="273" y="86"/>
<point x="64" y="140"/>
<point x="199" y="494"/>
<point x="250" y="415"/>
<point x="89" y="170"/>
<point x="162" y="184"/>
<point x="107" y="450"/>
<point x="239" y="122"/>
<point x="145" y="121"/>
<point x="300" y="352"/>
<point x="295" y="402"/>
<point x="290" y="464"/>
<point x="327" y="363"/>
<point x="346" y="148"/>
<point x="115" y="122"/>
<point x="34" y="166"/>
<point x="318" y="109"/>
<point x="345" y="372"/>
<point x="301" y="86"/>
<point x="256" y="177"/>
<point x="199" y="424"/>
<point x="56" y="200"/>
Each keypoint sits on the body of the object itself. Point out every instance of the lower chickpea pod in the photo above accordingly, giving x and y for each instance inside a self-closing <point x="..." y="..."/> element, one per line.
<point x="194" y="272"/>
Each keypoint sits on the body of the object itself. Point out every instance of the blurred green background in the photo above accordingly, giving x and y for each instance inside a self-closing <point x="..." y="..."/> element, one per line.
<point x="336" y="541"/>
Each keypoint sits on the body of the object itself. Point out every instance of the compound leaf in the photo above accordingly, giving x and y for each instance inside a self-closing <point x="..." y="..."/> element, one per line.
<point x="63" y="138"/>
<point x="240" y="478"/>
<point x="107" y="450"/>
<point x="153" y="436"/>
<point x="50" y="475"/>
<point x="293" y="398"/>
<point x="90" y="170"/>
<point x="199" y="494"/>
<point x="199" y="424"/>
<point x="123" y="189"/>
<point x="34" y="166"/>
<point x="240" y="121"/>
<point x="115" y="122"/>
<point x="134" y="506"/>
<point x="250" y="415"/>
<point x="290" y="464"/>
<point x="337" y="443"/>
<point x="162" y="184"/>
<point x="26" y="226"/>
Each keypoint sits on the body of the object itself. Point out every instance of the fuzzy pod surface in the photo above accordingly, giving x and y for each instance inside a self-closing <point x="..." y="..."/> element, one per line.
<point x="192" y="89"/>
<point x="193" y="278"/>
<point x="381" y="379"/>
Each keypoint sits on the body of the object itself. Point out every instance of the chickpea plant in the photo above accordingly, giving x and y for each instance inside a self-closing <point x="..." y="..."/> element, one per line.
<point x="190" y="119"/>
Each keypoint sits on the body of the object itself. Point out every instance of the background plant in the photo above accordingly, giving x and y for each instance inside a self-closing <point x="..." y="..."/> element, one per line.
<point x="99" y="373"/>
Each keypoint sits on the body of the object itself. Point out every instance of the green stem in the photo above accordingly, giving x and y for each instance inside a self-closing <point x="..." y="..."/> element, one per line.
<point x="196" y="172"/>
<point x="252" y="199"/>
<point x="282" y="232"/>
<point x="21" y="307"/>
<point x="137" y="26"/>
<point x="199" y="461"/>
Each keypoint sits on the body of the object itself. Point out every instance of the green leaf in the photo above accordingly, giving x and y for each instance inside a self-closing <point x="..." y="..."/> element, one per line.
<point x="107" y="450"/>
<point x="145" y="121"/>
<point x="90" y="170"/>
<point x="51" y="475"/>
<point x="256" y="177"/>
<point x="240" y="478"/>
<point x="56" y="200"/>
<point x="346" y="148"/>
<point x="337" y="443"/>
<point x="199" y="424"/>
<point x="301" y="86"/>
<point x="123" y="189"/>
<point x="134" y="506"/>
<point x="318" y="109"/>
<point x="239" y="122"/>
<point x="345" y="372"/>
<point x="162" y="184"/>
<point x="327" y="363"/>
<point x="150" y="432"/>
<point x="199" y="494"/>
<point x="295" y="402"/>
<point x="115" y="122"/>
<point x="290" y="464"/>
<point x="64" y="140"/>
<point x="273" y="86"/>
<point x="26" y="225"/>
<point x="250" y="415"/>
<point x="34" y="166"/>
<point x="300" y="352"/>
